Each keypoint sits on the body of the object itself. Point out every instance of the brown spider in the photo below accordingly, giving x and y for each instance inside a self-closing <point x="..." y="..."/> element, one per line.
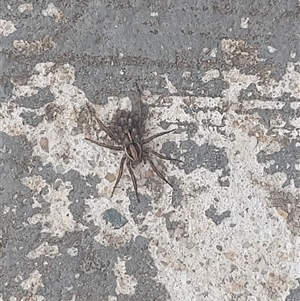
<point x="126" y="129"/>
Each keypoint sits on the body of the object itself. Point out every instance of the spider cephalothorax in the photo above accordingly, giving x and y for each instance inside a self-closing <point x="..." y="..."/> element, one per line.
<point x="126" y="130"/>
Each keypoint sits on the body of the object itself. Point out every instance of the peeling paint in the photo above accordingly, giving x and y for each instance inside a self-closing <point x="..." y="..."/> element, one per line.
<point x="52" y="12"/>
<point x="31" y="285"/>
<point x="235" y="229"/>
<point x="7" y="27"/>
<point x="125" y="283"/>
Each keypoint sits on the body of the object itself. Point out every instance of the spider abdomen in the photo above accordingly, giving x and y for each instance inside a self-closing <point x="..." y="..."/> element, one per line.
<point x="125" y="126"/>
<point x="134" y="152"/>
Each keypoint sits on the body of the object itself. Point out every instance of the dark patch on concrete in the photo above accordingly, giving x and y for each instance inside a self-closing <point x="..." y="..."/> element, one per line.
<point x="51" y="111"/>
<point x="170" y="149"/>
<point x="36" y="101"/>
<point x="16" y="242"/>
<point x="294" y="294"/>
<point x="216" y="18"/>
<point x="83" y="188"/>
<point x="223" y="179"/>
<point x="139" y="209"/>
<point x="290" y="204"/>
<point x="31" y="118"/>
<point x="216" y="218"/>
<point x="90" y="273"/>
<point x="6" y="89"/>
<point x="18" y="237"/>
<point x="115" y="218"/>
<point x="212" y="88"/>
<point x="183" y="126"/>
<point x="272" y="119"/>
<point x="190" y="128"/>
<point x="170" y="225"/>
<point x="16" y="157"/>
<point x="193" y="108"/>
<point x="285" y="161"/>
<point x="142" y="267"/>
<point x="205" y="155"/>
<point x="105" y="61"/>
<point x="45" y="171"/>
<point x="177" y="194"/>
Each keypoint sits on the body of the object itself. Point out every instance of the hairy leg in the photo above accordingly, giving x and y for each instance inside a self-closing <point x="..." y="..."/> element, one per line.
<point x="102" y="125"/>
<point x="119" y="174"/>
<point x="161" y="156"/>
<point x="158" y="172"/>
<point x="113" y="147"/>
<point x="147" y="140"/>
<point x="140" y="105"/>
<point x="133" y="179"/>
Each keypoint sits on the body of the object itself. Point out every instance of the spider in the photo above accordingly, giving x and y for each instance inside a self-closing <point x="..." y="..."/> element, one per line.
<point x="126" y="131"/>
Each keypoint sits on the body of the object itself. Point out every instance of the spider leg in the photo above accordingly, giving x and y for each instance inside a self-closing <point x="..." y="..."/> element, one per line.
<point x="133" y="179"/>
<point x="147" y="140"/>
<point x="139" y="89"/>
<point x="158" y="172"/>
<point x="140" y="105"/>
<point x="102" y="125"/>
<point x="163" y="156"/>
<point x="113" y="147"/>
<point x="119" y="174"/>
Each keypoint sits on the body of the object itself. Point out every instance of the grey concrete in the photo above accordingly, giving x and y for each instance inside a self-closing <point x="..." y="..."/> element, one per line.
<point x="226" y="75"/>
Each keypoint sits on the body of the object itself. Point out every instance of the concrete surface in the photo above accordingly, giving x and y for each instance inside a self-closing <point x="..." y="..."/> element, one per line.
<point x="226" y="75"/>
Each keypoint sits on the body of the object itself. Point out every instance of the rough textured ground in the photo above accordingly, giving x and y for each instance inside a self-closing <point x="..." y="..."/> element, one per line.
<point x="226" y="75"/>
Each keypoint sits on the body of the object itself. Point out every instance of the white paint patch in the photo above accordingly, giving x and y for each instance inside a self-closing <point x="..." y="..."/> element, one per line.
<point x="53" y="12"/>
<point x="271" y="49"/>
<point x="31" y="285"/>
<point x="36" y="184"/>
<point x="213" y="52"/>
<point x="44" y="249"/>
<point x="169" y="85"/>
<point x="6" y="27"/>
<point x="189" y="263"/>
<point x="251" y="252"/>
<point x="240" y="50"/>
<point x="186" y="74"/>
<point x="72" y="251"/>
<point x="60" y="218"/>
<point x="25" y="6"/>
<point x="210" y="75"/>
<point x="45" y="44"/>
<point x="288" y="84"/>
<point x="125" y="283"/>
<point x="244" y="22"/>
<point x="292" y="54"/>
<point x="263" y="104"/>
<point x="70" y="99"/>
